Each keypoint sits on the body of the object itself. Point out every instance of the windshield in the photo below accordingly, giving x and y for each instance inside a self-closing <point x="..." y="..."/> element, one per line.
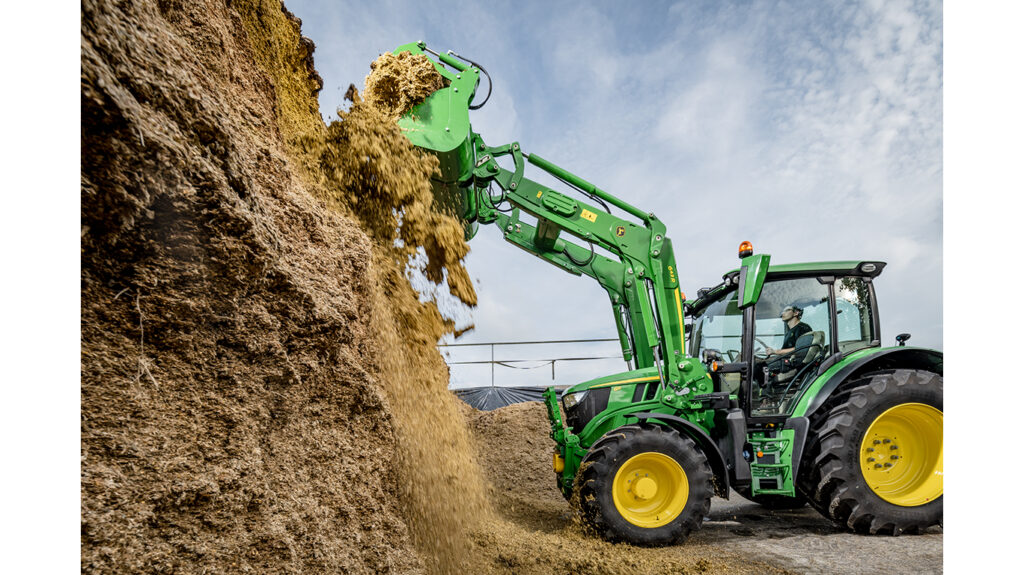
<point x="719" y="327"/>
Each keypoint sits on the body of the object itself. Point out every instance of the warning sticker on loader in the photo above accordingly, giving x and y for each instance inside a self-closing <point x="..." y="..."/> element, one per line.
<point x="588" y="215"/>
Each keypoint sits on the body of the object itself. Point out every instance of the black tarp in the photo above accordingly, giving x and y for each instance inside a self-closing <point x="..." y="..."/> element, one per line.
<point x="493" y="397"/>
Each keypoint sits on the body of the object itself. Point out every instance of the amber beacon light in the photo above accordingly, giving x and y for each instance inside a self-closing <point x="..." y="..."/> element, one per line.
<point x="746" y="249"/>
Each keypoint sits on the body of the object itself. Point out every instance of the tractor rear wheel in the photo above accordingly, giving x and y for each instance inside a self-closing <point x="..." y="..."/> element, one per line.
<point x="645" y="484"/>
<point x="874" y="457"/>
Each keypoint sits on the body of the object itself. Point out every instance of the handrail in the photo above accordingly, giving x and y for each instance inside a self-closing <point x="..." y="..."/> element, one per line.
<point x="542" y="362"/>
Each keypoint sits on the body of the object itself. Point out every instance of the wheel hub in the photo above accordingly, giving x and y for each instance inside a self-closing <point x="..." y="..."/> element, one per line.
<point x="883" y="453"/>
<point x="901" y="455"/>
<point x="645" y="488"/>
<point x="650" y="489"/>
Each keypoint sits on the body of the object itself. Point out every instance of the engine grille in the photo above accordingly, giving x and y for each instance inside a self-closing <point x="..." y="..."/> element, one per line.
<point x="580" y="414"/>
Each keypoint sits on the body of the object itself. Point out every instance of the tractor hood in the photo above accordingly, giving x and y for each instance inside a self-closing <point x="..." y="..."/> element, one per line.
<point x="645" y="375"/>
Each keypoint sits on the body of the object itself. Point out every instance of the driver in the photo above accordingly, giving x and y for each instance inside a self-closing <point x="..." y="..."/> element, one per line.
<point x="794" y="329"/>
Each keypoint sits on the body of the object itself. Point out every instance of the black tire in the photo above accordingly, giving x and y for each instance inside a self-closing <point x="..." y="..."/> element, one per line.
<point x="773" y="502"/>
<point x="831" y="476"/>
<point x="594" y="485"/>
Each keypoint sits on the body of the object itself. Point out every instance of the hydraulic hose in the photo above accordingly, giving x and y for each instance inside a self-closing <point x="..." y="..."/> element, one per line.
<point x="579" y="263"/>
<point x="490" y="82"/>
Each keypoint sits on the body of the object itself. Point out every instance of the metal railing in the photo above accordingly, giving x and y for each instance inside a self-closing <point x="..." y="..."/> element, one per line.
<point x="542" y="362"/>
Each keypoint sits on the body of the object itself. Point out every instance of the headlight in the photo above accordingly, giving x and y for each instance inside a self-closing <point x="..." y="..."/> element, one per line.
<point x="570" y="401"/>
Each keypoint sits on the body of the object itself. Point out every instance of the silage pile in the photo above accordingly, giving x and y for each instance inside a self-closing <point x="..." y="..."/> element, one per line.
<point x="232" y="417"/>
<point x="515" y="451"/>
<point x="261" y="391"/>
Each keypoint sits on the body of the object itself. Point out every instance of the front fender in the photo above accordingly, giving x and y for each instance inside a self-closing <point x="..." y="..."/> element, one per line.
<point x="706" y="444"/>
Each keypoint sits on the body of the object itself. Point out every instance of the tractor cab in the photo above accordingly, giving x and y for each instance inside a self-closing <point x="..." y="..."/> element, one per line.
<point x="768" y="346"/>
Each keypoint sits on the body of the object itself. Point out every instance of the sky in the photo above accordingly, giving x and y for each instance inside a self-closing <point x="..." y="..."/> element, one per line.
<point x="812" y="129"/>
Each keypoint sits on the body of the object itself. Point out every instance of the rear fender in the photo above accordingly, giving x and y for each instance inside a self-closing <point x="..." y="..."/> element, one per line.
<point x="857" y="365"/>
<point x="703" y="441"/>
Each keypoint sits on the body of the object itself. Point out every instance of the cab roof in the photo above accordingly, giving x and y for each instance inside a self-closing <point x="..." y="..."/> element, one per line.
<point x="868" y="268"/>
<point x="863" y="268"/>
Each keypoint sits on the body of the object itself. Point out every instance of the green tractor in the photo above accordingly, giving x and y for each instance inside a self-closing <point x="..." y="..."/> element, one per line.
<point x="773" y="384"/>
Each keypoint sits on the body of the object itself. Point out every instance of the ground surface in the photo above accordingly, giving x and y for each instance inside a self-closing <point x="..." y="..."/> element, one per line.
<point x="805" y="542"/>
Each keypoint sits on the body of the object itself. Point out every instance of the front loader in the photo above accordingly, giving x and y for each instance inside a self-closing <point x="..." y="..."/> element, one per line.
<point x="773" y="384"/>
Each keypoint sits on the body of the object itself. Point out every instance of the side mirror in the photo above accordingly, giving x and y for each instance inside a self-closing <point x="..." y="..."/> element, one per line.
<point x="902" y="338"/>
<point x="711" y="355"/>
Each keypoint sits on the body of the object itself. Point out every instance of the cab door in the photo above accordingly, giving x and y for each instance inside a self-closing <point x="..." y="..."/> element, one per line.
<point x="790" y="333"/>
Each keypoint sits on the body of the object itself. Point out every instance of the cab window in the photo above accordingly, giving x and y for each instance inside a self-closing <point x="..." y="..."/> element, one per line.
<point x="854" y="318"/>
<point x="808" y="300"/>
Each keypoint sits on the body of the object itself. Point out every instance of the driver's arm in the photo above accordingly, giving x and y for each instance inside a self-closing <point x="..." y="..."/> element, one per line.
<point x="795" y="335"/>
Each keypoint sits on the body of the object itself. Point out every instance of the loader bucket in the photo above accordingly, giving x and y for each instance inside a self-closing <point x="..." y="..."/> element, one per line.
<point x="440" y="124"/>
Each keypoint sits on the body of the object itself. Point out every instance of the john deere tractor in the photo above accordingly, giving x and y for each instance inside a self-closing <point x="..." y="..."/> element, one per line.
<point x="773" y="384"/>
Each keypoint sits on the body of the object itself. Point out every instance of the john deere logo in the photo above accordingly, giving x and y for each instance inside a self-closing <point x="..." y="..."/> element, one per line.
<point x="620" y="231"/>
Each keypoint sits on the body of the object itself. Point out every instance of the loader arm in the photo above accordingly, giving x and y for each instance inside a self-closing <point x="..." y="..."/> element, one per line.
<point x="639" y="275"/>
<point x="640" y="278"/>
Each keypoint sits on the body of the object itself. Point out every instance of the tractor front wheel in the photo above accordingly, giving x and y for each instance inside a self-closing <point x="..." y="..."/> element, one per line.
<point x="645" y="484"/>
<point x="874" y="459"/>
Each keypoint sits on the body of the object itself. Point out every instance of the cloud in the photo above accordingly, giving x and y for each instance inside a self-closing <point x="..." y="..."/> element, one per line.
<point x="712" y="117"/>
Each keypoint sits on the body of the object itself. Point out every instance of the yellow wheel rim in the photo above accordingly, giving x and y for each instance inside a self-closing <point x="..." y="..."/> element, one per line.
<point x="901" y="455"/>
<point x="650" y="490"/>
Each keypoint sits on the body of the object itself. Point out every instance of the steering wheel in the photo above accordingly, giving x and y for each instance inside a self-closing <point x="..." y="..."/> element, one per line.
<point x="733" y="354"/>
<point x="764" y="348"/>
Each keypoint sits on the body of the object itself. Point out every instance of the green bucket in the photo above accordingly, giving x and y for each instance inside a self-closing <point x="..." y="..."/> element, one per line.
<point x="440" y="124"/>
